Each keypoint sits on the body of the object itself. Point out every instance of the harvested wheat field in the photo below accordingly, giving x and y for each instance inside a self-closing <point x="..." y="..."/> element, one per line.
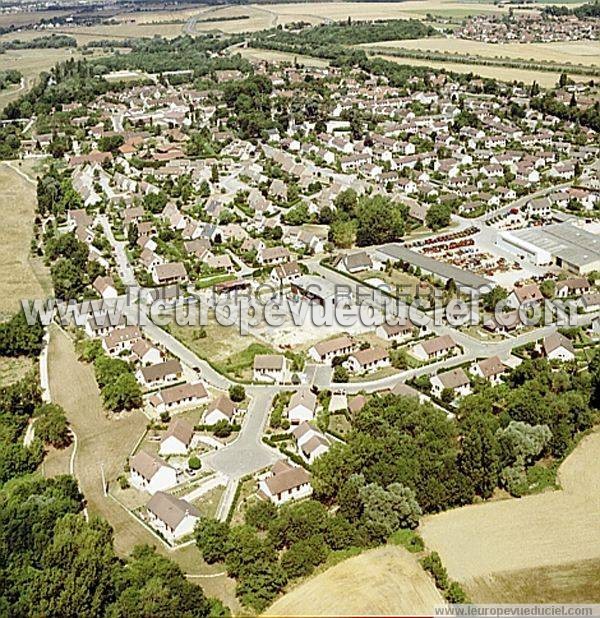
<point x="546" y="79"/>
<point x="383" y="581"/>
<point x="573" y="52"/>
<point x="380" y="10"/>
<point x="497" y="539"/>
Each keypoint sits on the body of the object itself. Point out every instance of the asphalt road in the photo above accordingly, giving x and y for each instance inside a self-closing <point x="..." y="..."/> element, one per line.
<point x="248" y="453"/>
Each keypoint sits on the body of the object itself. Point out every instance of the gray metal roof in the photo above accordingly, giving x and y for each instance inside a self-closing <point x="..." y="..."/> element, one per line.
<point x="564" y="240"/>
<point x="463" y="278"/>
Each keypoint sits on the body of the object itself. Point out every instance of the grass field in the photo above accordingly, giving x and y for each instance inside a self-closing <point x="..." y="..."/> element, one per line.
<point x="383" y="581"/>
<point x="545" y="535"/>
<point x="574" y="52"/>
<point x="227" y="350"/>
<point x="269" y="55"/>
<point x="20" y="276"/>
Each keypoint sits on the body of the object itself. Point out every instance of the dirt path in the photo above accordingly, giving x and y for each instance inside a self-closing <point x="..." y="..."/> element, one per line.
<point x="547" y="530"/>
<point x="384" y="581"/>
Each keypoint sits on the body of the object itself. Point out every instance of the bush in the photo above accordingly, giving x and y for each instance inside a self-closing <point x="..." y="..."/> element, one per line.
<point x="455" y="594"/>
<point x="433" y="565"/>
<point x="408" y="539"/>
<point x="222" y="429"/>
<point x="340" y="374"/>
<point x="194" y="463"/>
<point x="237" y="393"/>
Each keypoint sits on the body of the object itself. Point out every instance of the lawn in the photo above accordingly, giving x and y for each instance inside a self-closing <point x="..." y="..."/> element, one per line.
<point x="209" y="502"/>
<point x="227" y="351"/>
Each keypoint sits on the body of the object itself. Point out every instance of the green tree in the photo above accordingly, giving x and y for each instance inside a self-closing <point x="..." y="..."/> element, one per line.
<point x="479" y="459"/>
<point x="493" y="297"/>
<point x="378" y="221"/>
<point x="52" y="426"/>
<point x="211" y="538"/>
<point x="343" y="233"/>
<point x="260" y="514"/>
<point x="438" y="216"/>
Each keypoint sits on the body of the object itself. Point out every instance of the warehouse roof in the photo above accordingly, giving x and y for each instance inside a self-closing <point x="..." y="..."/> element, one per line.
<point x="463" y="278"/>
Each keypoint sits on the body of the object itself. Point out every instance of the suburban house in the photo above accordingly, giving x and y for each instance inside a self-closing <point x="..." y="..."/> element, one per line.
<point x="121" y="339"/>
<point x="302" y="406"/>
<point x="399" y="332"/>
<point x="100" y="323"/>
<point x="273" y="255"/>
<point x="160" y="373"/>
<point x="354" y="262"/>
<point x="169" y="273"/>
<point x="525" y="295"/>
<point x="220" y="409"/>
<point x="369" y="360"/>
<point x="146" y="353"/>
<point x="105" y="286"/>
<point x="284" y="274"/>
<point x="491" y="369"/>
<point x="172" y="517"/>
<point x="182" y="395"/>
<point x="435" y="348"/>
<point x="590" y="302"/>
<point x="575" y="286"/>
<point x="310" y="441"/>
<point x="503" y="322"/>
<point x="285" y="482"/>
<point x="150" y="473"/>
<point x="401" y="389"/>
<point x="270" y="368"/>
<point x="178" y="438"/>
<point x="326" y="351"/>
<point x="557" y="347"/>
<point x="456" y="380"/>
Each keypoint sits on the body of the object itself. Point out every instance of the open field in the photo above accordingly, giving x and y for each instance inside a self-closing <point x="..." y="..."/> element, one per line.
<point x="226" y="349"/>
<point x="383" y="581"/>
<point x="381" y="10"/>
<point x="552" y="531"/>
<point x="105" y="442"/>
<point x="250" y="53"/>
<point x="20" y="276"/>
<point x="573" y="52"/>
<point x="546" y="79"/>
<point x="577" y="582"/>
<point x="30" y="62"/>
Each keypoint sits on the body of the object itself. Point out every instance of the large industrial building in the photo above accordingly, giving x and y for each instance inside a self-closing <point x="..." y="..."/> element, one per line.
<point x="561" y="244"/>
